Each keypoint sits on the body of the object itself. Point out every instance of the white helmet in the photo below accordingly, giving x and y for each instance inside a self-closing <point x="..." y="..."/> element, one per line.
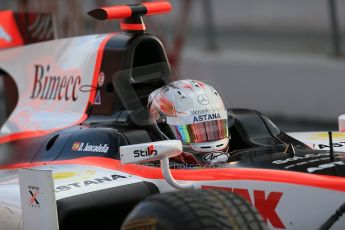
<point x="194" y="112"/>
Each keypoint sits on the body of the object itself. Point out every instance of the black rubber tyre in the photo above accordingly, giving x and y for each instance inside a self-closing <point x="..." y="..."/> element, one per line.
<point x="194" y="210"/>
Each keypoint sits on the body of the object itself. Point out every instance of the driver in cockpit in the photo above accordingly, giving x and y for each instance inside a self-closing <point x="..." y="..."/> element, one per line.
<point x="193" y="112"/>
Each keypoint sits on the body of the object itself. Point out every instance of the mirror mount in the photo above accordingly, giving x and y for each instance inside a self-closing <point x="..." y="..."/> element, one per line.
<point x="153" y="151"/>
<point x="170" y="179"/>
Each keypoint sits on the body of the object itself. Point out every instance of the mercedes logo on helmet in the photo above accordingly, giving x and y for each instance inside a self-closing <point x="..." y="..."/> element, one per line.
<point x="203" y="99"/>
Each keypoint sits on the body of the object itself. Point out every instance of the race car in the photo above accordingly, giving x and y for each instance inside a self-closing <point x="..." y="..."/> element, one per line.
<point x="78" y="119"/>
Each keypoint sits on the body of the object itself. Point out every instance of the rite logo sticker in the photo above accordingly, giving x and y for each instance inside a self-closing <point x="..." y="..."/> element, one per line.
<point x="33" y="200"/>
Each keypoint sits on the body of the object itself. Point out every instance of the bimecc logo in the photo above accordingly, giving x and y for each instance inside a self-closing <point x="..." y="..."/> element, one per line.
<point x="51" y="86"/>
<point x="149" y="151"/>
<point x="81" y="147"/>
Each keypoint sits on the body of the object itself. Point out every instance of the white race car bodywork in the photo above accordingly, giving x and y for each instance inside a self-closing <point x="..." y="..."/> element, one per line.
<point x="283" y="205"/>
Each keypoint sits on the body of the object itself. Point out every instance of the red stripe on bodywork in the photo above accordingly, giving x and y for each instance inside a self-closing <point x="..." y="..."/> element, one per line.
<point x="211" y="174"/>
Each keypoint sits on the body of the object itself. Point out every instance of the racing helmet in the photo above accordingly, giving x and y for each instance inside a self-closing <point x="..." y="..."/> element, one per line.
<point x="193" y="112"/>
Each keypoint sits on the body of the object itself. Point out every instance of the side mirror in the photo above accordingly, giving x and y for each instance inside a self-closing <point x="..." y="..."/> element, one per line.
<point x="151" y="151"/>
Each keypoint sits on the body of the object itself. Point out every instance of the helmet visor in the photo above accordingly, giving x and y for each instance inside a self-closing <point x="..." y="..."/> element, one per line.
<point x="202" y="132"/>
